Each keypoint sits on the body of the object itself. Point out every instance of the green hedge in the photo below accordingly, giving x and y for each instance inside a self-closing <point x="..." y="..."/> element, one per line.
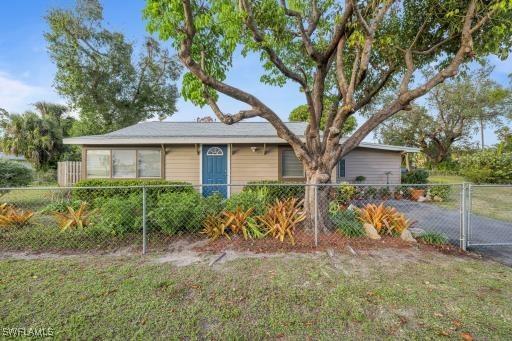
<point x="276" y="189"/>
<point x="83" y="191"/>
<point x="14" y="174"/>
<point x="492" y="166"/>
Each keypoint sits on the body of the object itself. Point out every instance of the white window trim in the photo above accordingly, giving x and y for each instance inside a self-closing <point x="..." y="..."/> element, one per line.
<point x="111" y="171"/>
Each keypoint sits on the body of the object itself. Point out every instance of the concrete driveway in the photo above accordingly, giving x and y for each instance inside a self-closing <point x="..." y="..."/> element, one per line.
<point x="482" y="230"/>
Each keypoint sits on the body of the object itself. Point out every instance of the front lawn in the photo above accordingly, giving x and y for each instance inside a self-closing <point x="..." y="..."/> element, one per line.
<point x="488" y="201"/>
<point x="394" y="294"/>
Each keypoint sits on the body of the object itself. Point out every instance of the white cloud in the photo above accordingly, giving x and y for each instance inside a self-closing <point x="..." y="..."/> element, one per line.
<point x="18" y="96"/>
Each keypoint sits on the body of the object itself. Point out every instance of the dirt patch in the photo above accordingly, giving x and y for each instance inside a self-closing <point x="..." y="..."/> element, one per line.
<point x="305" y="243"/>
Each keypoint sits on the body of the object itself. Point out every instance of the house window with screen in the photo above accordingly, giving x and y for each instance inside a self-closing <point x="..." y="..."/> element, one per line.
<point x="341" y="168"/>
<point x="124" y="163"/>
<point x="291" y="167"/>
<point x="98" y="163"/>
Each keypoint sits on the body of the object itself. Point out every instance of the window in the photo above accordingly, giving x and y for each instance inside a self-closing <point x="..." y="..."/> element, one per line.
<point x="341" y="168"/>
<point x="149" y="164"/>
<point x="123" y="163"/>
<point x="291" y="167"/>
<point x="214" y="151"/>
<point x="98" y="163"/>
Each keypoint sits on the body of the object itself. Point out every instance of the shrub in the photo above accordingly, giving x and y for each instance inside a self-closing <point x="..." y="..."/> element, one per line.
<point x="213" y="204"/>
<point x="12" y="217"/>
<point x="385" y="219"/>
<point x="61" y="206"/>
<point x="433" y="238"/>
<point x="240" y="221"/>
<point x="282" y="218"/>
<point x="119" y="215"/>
<point x="416" y="176"/>
<point x="360" y="179"/>
<point x="367" y="192"/>
<point x="178" y="212"/>
<point x="345" y="192"/>
<point x="125" y="187"/>
<point x="384" y="192"/>
<point x="255" y="199"/>
<point x="73" y="219"/>
<point x="277" y="189"/>
<point x="14" y="174"/>
<point x="441" y="191"/>
<point x="348" y="223"/>
<point x="487" y="166"/>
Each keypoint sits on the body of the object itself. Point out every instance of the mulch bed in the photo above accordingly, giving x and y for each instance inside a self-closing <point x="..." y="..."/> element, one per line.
<point x="305" y="242"/>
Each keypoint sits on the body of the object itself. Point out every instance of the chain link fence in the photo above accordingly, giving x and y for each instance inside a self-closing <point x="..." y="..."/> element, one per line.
<point x="152" y="218"/>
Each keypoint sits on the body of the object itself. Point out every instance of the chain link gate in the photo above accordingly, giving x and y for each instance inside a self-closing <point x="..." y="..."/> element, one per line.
<point x="487" y="215"/>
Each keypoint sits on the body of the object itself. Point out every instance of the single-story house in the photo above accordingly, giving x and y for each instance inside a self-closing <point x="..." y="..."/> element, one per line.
<point x="215" y="153"/>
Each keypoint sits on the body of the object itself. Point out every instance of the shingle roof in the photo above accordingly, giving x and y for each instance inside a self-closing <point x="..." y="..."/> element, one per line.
<point x="195" y="129"/>
<point x="155" y="133"/>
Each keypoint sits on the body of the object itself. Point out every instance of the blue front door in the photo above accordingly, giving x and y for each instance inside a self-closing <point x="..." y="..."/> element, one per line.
<point x="215" y="169"/>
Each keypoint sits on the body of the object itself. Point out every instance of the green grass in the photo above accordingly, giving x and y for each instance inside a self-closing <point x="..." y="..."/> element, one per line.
<point x="433" y="238"/>
<point x="446" y="179"/>
<point x="284" y="297"/>
<point x="491" y="202"/>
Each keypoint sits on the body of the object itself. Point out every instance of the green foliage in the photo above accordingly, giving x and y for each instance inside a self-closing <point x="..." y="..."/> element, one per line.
<point x="433" y="238"/>
<point x="301" y="114"/>
<point x="276" y="189"/>
<point x="345" y="192"/>
<point x="14" y="174"/>
<point x="213" y="204"/>
<point x="415" y="176"/>
<point x="454" y="110"/>
<point x="367" y="192"/>
<point x="256" y="199"/>
<point x="37" y="135"/>
<point x="441" y="191"/>
<point x="178" y="212"/>
<point x="61" y="206"/>
<point x="118" y="215"/>
<point x="99" y="73"/>
<point x="86" y="190"/>
<point x="384" y="192"/>
<point x="487" y="166"/>
<point x="360" y="178"/>
<point x="347" y="222"/>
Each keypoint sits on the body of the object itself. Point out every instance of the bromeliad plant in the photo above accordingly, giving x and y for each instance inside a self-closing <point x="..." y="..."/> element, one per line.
<point x="385" y="219"/>
<point x="282" y="218"/>
<point x="74" y="219"/>
<point x="216" y="226"/>
<point x="12" y="217"/>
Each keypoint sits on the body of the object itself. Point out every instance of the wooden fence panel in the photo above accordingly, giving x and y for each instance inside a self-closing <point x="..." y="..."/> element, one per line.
<point x="69" y="172"/>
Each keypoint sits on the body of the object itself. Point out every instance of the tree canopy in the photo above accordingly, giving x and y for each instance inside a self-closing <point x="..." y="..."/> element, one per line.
<point x="301" y="114"/>
<point x="350" y="49"/>
<point x="100" y="76"/>
<point x="453" y="112"/>
<point x="37" y="135"/>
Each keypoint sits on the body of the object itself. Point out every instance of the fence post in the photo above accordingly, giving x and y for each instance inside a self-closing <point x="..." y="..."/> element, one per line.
<point x="144" y="217"/>
<point x="464" y="217"/>
<point x="316" y="214"/>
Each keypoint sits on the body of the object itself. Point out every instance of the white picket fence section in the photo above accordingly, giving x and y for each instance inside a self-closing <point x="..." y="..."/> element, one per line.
<point x="69" y="172"/>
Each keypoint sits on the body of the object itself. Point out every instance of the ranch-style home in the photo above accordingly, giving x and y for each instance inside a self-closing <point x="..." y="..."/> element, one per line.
<point x="215" y="153"/>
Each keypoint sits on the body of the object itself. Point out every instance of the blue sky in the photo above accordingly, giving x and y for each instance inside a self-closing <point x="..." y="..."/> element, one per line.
<point x="26" y="72"/>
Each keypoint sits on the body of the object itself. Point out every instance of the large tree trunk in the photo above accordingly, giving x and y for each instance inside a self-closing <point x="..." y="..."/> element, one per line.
<point x="317" y="198"/>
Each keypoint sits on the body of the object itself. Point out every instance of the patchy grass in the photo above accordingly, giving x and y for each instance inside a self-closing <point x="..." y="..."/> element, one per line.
<point x="387" y="296"/>
<point x="488" y="201"/>
<point x="446" y="179"/>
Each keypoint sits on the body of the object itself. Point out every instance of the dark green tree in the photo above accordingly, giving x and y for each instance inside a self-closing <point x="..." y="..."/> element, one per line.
<point x="38" y="135"/>
<point x="100" y="76"/>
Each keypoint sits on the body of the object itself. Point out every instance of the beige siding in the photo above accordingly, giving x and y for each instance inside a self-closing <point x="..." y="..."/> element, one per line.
<point x="182" y="163"/>
<point x="247" y="165"/>
<point x="372" y="164"/>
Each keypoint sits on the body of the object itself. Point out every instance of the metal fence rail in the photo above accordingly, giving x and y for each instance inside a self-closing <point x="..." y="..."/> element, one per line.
<point x="151" y="218"/>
